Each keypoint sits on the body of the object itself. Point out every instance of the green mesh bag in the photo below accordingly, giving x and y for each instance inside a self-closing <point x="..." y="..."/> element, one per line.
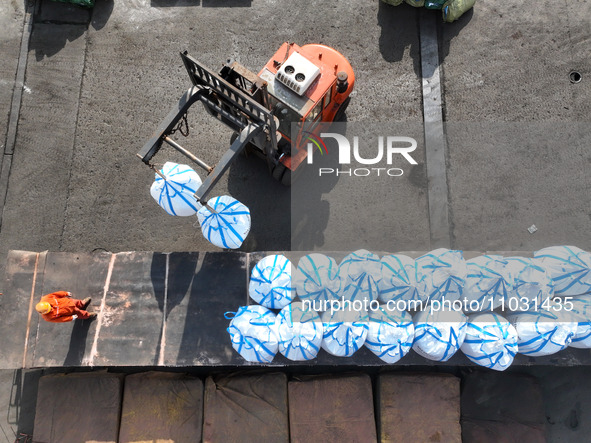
<point x="393" y="2"/>
<point x="453" y="9"/>
<point x="87" y="3"/>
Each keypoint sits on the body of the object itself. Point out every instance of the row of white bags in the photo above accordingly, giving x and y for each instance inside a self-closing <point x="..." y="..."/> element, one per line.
<point x="488" y="339"/>
<point x="480" y="284"/>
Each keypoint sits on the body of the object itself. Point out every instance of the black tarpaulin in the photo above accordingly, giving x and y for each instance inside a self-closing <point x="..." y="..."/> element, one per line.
<point x="159" y="406"/>
<point x="246" y="408"/>
<point x="78" y="408"/>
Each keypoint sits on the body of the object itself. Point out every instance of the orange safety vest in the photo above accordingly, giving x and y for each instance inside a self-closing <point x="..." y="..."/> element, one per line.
<point x="62" y="307"/>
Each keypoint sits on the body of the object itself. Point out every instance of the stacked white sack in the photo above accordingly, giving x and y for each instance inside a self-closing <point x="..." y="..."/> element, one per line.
<point x="488" y="283"/>
<point x="299" y="331"/>
<point x="399" y="280"/>
<point x="390" y="335"/>
<point x="228" y="226"/>
<point x="361" y="272"/>
<point x="569" y="267"/>
<point x="491" y="341"/>
<point x="581" y="309"/>
<point x="317" y="278"/>
<point x="270" y="282"/>
<point x="253" y="335"/>
<point x="345" y="331"/>
<point x="532" y="285"/>
<point x="439" y="334"/>
<point x="441" y="275"/>
<point x="543" y="332"/>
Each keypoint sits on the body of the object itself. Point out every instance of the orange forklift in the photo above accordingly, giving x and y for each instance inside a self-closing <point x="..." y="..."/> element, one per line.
<point x="301" y="85"/>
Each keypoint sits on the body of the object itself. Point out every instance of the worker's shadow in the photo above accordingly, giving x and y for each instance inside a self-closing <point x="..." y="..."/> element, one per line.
<point x="400" y="29"/>
<point x="57" y="23"/>
<point x="77" y="348"/>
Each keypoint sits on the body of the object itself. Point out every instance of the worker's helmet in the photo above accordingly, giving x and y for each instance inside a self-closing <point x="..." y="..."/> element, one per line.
<point x="43" y="307"/>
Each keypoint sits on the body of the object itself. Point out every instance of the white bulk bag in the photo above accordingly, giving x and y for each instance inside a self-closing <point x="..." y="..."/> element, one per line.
<point x="228" y="226"/>
<point x="299" y="331"/>
<point x="441" y="275"/>
<point x="569" y="267"/>
<point x="270" y="282"/>
<point x="543" y="332"/>
<point x="344" y="331"/>
<point x="317" y="278"/>
<point x="491" y="341"/>
<point x="175" y="192"/>
<point x="532" y="286"/>
<point x="390" y="334"/>
<point x="488" y="283"/>
<point x="439" y="333"/>
<point x="252" y="331"/>
<point x="398" y="280"/>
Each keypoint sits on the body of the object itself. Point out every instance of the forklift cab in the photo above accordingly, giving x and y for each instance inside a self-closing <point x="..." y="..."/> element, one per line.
<point x="307" y="85"/>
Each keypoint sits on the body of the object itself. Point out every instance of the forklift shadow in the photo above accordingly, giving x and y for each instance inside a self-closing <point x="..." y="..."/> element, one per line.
<point x="310" y="205"/>
<point x="250" y="182"/>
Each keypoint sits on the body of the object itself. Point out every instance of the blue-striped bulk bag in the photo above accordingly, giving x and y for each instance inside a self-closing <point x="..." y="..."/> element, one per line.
<point x="228" y="226"/>
<point x="390" y="335"/>
<point x="317" y="278"/>
<point x="488" y="283"/>
<point x="569" y="267"/>
<point x="175" y="192"/>
<point x="299" y="330"/>
<point x="441" y="275"/>
<point x="270" y="282"/>
<point x="543" y="332"/>
<point x="532" y="285"/>
<point x="399" y="279"/>
<point x="581" y="309"/>
<point x="439" y="333"/>
<point x="344" y="331"/>
<point x="491" y="341"/>
<point x="361" y="270"/>
<point x="253" y="334"/>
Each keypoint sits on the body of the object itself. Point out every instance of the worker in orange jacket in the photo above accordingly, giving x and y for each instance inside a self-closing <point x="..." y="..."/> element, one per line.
<point x="60" y="307"/>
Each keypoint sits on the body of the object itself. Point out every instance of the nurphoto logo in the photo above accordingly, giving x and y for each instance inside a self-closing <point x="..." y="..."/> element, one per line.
<point x="388" y="148"/>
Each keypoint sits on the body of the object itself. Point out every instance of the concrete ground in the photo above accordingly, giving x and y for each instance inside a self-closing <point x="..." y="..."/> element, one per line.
<point x="83" y="89"/>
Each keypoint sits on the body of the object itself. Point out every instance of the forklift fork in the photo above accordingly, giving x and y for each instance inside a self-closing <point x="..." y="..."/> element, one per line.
<point x="233" y="103"/>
